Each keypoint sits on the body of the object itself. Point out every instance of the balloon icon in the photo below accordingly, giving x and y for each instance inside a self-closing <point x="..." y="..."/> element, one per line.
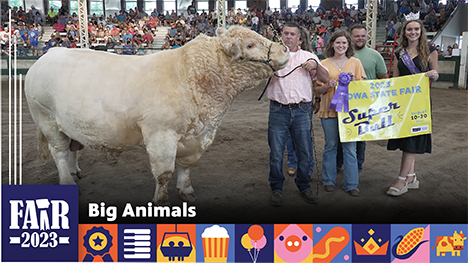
<point x="255" y="232"/>
<point x="255" y="239"/>
<point x="246" y="242"/>
<point x="259" y="244"/>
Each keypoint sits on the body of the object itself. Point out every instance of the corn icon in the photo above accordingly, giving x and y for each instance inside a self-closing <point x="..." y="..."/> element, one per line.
<point x="410" y="241"/>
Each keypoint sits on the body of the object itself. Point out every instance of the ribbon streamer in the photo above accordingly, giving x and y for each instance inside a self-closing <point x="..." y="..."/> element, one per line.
<point x="340" y="99"/>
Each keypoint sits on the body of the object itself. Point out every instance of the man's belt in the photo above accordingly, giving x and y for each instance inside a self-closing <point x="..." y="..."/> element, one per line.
<point x="290" y="106"/>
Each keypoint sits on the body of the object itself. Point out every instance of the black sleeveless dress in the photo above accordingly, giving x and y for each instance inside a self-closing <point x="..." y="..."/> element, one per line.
<point x="415" y="144"/>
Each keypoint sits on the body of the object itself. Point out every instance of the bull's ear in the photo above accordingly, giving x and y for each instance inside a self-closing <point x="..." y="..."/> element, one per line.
<point x="231" y="48"/>
<point x="220" y="31"/>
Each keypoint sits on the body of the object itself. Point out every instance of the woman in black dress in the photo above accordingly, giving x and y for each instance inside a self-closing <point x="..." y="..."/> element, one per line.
<point x="413" y="42"/>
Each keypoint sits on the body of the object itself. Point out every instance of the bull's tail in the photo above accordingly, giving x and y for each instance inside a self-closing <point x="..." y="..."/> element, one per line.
<point x="42" y="146"/>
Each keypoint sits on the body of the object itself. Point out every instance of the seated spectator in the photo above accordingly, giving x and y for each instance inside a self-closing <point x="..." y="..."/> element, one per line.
<point x="176" y="44"/>
<point x="20" y="44"/>
<point x="147" y="38"/>
<point x="118" y="48"/>
<point x="151" y="23"/>
<point x="335" y="22"/>
<point x="109" y="25"/>
<point x="154" y="13"/>
<point x="23" y="32"/>
<point x="63" y="19"/>
<point x="448" y="51"/>
<point x="172" y="32"/>
<point x="110" y="43"/>
<point x="38" y="19"/>
<point x="115" y="34"/>
<point x="167" y="44"/>
<point x="92" y="39"/>
<point x="28" y="18"/>
<point x="55" y="38"/>
<point x="427" y="24"/>
<point x="75" y="18"/>
<point x="390" y="30"/>
<point x="128" y="48"/>
<point x="64" y="10"/>
<point x="51" y="16"/>
<point x="59" y="27"/>
<point x="127" y="36"/>
<point x="140" y="50"/>
<point x="438" y="24"/>
<point x="73" y="43"/>
<point x="69" y="26"/>
<point x="404" y="9"/>
<point x="66" y="43"/>
<point x="209" y="30"/>
<point x="100" y="36"/>
<point x="101" y="20"/>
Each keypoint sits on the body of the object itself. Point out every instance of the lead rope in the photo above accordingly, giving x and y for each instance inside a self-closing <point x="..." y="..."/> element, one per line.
<point x="284" y="76"/>
<point x="315" y="169"/>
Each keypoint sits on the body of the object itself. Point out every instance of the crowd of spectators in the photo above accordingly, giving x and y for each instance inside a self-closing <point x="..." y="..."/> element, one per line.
<point x="128" y="32"/>
<point x="433" y="13"/>
<point x="132" y="32"/>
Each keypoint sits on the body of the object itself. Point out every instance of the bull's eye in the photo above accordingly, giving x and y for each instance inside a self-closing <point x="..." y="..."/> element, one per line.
<point x="250" y="46"/>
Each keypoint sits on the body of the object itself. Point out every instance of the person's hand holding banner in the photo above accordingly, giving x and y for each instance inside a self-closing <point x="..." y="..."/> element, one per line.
<point x="386" y="108"/>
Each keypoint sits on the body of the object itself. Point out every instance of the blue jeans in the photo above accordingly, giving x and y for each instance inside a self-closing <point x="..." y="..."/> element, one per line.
<point x="292" y="158"/>
<point x="360" y="152"/>
<point x="351" y="175"/>
<point x="283" y="122"/>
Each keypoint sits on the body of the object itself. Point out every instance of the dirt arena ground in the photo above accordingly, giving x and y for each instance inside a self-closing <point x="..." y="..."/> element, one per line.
<point x="231" y="183"/>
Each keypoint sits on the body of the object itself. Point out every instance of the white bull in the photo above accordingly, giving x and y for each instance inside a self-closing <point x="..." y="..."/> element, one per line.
<point x="172" y="102"/>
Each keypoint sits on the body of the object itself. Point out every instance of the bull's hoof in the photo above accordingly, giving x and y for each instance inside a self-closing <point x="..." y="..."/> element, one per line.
<point x="78" y="175"/>
<point x="188" y="197"/>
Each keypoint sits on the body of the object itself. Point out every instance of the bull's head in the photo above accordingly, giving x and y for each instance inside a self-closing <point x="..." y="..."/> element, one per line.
<point x="458" y="240"/>
<point x="241" y="43"/>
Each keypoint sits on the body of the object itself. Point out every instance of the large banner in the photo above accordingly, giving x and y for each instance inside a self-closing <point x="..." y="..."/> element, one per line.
<point x="387" y="108"/>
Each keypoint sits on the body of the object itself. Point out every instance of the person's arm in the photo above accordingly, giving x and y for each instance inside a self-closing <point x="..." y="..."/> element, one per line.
<point x="382" y="76"/>
<point x="322" y="88"/>
<point x="314" y="65"/>
<point x="433" y="65"/>
<point x="396" y="73"/>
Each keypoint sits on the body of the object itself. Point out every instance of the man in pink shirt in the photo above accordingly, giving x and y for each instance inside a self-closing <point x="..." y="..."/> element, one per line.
<point x="290" y="113"/>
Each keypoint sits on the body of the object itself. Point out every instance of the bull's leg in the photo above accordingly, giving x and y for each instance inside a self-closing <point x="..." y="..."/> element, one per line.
<point x="58" y="147"/>
<point x="58" y="142"/>
<point x="73" y="164"/>
<point x="184" y="185"/>
<point x="161" y="148"/>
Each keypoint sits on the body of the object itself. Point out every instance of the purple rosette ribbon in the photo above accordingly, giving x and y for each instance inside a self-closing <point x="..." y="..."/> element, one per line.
<point x="340" y="99"/>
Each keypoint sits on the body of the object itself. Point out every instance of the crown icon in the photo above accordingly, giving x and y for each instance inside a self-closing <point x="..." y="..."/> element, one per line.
<point x="412" y="16"/>
<point x="371" y="247"/>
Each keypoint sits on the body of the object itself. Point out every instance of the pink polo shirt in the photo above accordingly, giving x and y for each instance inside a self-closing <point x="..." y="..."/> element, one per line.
<point x="297" y="87"/>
